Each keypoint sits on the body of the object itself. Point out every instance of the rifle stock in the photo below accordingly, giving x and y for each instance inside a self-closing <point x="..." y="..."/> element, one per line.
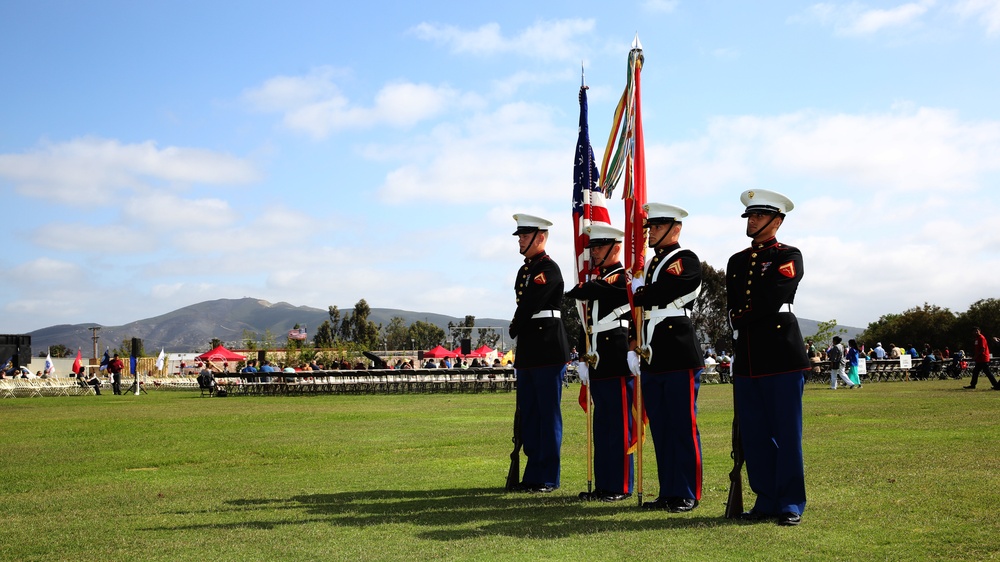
<point x="734" y="504"/>
<point x="514" y="472"/>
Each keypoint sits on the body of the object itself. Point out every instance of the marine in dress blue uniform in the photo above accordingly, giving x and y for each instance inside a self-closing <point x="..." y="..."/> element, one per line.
<point x="672" y="360"/>
<point x="541" y="356"/>
<point x="606" y="336"/>
<point x="770" y="362"/>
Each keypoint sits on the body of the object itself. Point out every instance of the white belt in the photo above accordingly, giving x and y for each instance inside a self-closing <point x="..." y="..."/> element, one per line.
<point x="663" y="313"/>
<point x="547" y="314"/>
<point x="786" y="307"/>
<point x="614" y="324"/>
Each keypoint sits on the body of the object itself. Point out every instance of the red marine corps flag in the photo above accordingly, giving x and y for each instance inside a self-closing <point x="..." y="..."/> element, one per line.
<point x="625" y="155"/>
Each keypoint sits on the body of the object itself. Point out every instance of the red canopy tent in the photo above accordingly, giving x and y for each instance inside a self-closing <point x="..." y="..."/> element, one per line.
<point x="220" y="353"/>
<point x="439" y="352"/>
<point x="482" y="351"/>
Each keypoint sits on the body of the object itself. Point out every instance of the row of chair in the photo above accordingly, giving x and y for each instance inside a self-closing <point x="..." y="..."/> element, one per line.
<point x="374" y="382"/>
<point x="24" y="388"/>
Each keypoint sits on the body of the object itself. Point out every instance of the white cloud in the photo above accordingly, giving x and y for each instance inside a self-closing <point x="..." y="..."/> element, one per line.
<point x="164" y="210"/>
<point x="506" y="87"/>
<point x="43" y="269"/>
<point x="858" y="19"/>
<point x="986" y="11"/>
<point x="284" y="93"/>
<point x="313" y="104"/>
<point x="547" y="40"/>
<point x="509" y="151"/>
<point x="202" y="236"/>
<point x="91" y="171"/>
<point x="110" y="239"/>
<point x="920" y="150"/>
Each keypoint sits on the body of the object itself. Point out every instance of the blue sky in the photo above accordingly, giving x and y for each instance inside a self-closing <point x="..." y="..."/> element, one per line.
<point x="158" y="154"/>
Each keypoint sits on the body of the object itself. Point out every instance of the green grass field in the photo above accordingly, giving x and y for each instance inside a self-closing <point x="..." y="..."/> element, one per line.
<point x="894" y="471"/>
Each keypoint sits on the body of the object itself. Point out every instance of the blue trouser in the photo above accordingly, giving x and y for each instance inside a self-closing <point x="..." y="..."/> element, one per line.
<point x="770" y="417"/>
<point x="613" y="466"/>
<point x="670" y="399"/>
<point x="539" y="395"/>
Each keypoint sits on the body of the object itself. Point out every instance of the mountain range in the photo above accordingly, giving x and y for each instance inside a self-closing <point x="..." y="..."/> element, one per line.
<point x="190" y="329"/>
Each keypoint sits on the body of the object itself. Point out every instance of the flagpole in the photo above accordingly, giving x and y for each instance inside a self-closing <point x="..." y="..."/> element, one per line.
<point x="636" y="197"/>
<point x="582" y="310"/>
<point x="625" y="156"/>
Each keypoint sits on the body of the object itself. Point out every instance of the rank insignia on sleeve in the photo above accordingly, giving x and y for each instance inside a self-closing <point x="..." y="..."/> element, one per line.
<point x="612" y="278"/>
<point x="540" y="279"/>
<point x="787" y="269"/>
<point x="675" y="268"/>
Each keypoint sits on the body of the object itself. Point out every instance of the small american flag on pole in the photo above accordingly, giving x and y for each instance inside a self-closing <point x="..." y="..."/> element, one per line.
<point x="588" y="199"/>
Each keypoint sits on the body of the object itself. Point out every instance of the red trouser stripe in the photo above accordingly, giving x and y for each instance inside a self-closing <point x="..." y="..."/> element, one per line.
<point x="694" y="436"/>
<point x="625" y="428"/>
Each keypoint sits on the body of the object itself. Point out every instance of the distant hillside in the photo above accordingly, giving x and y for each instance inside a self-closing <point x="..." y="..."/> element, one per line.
<point x="191" y="328"/>
<point x="809" y="328"/>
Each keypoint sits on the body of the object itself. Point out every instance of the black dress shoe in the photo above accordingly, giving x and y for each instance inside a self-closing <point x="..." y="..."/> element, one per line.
<point x="614" y="497"/>
<point x="541" y="489"/>
<point x="588" y="496"/>
<point x="753" y="515"/>
<point x="970" y="387"/>
<point x="681" y="505"/>
<point x="660" y="503"/>
<point x="789" y="519"/>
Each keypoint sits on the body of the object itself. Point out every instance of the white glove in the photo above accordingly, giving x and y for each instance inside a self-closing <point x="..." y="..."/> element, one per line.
<point x="583" y="372"/>
<point x="638" y="282"/>
<point x="634" y="363"/>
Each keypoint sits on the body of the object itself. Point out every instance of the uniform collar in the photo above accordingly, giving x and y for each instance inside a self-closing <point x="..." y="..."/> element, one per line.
<point x="668" y="248"/>
<point x="607" y="268"/>
<point x="536" y="257"/>
<point x="765" y="244"/>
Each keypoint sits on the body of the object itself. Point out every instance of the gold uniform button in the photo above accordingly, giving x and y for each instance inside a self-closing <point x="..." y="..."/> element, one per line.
<point x="753" y="255"/>
<point x="748" y="291"/>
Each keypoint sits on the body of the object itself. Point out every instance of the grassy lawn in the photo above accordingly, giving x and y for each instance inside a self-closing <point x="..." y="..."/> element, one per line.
<point x="894" y="471"/>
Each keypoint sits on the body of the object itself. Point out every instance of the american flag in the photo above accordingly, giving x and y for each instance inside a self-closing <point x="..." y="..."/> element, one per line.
<point x="588" y="199"/>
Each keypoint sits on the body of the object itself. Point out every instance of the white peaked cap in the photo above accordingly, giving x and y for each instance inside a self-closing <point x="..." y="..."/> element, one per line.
<point x="530" y="223"/>
<point x="764" y="201"/>
<point x="661" y="213"/>
<point x="603" y="233"/>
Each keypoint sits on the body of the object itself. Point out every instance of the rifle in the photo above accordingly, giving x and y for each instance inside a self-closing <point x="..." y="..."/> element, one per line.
<point x="734" y="505"/>
<point x="514" y="472"/>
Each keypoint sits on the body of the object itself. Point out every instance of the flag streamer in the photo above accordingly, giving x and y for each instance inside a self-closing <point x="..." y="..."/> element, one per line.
<point x="625" y="156"/>
<point x="625" y="162"/>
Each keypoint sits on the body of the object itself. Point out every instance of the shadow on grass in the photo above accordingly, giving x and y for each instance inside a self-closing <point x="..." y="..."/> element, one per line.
<point x="450" y="514"/>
